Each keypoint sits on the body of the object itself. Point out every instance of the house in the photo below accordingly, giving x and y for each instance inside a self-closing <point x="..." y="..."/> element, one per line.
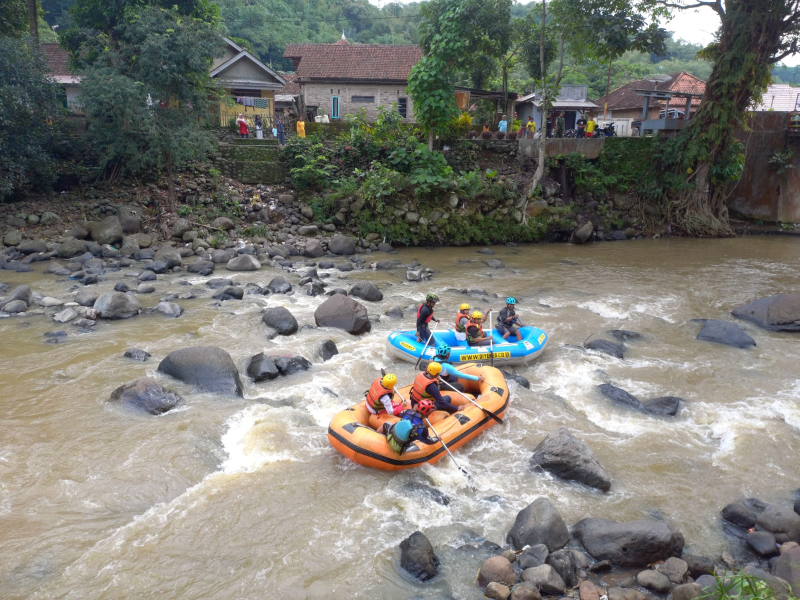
<point x="249" y="84"/>
<point x="572" y="100"/>
<point x="342" y="78"/>
<point x="58" y="60"/>
<point x="779" y="97"/>
<point x="625" y="103"/>
<point x="287" y="99"/>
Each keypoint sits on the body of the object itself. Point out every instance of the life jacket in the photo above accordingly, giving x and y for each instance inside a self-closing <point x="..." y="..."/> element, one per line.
<point x="428" y="320"/>
<point x="479" y="327"/>
<point x="418" y="391"/>
<point x="460" y="328"/>
<point x="374" y="394"/>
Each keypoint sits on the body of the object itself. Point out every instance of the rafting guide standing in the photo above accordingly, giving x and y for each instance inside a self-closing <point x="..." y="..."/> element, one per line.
<point x="425" y="316"/>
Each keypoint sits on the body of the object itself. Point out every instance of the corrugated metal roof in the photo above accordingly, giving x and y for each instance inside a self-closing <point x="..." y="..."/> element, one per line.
<point x="779" y="97"/>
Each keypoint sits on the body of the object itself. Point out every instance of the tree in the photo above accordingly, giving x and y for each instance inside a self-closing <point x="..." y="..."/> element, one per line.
<point x="452" y="33"/>
<point x="146" y="101"/>
<point x="31" y="117"/>
<point x="13" y="18"/>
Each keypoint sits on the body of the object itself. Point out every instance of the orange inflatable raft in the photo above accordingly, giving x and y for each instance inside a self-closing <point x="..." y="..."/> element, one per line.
<point x="353" y="431"/>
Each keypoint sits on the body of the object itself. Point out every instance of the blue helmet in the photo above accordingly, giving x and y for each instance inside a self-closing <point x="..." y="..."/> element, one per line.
<point x="402" y="430"/>
<point x="511" y="300"/>
<point x="442" y="350"/>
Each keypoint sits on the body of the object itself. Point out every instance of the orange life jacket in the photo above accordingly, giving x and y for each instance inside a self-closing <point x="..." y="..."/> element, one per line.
<point x="479" y="327"/>
<point x="418" y="391"/>
<point x="460" y="328"/>
<point x="428" y="320"/>
<point x="375" y="393"/>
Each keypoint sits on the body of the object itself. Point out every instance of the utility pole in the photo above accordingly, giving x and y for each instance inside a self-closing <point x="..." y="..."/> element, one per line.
<point x="33" y="20"/>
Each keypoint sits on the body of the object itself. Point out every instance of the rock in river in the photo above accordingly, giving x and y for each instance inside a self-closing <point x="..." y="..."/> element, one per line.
<point x="546" y="579"/>
<point x="418" y="558"/>
<point x="342" y="245"/>
<point x="262" y="368"/>
<point x="539" y="523"/>
<point x="776" y="313"/>
<point x="628" y="544"/>
<point x="497" y="569"/>
<point x="207" y="367"/>
<point x="137" y="354"/>
<point x="620" y="396"/>
<point x="723" y="332"/>
<point x="567" y="457"/>
<point x="116" y="305"/>
<point x="738" y="514"/>
<point x="327" y="349"/>
<point x="366" y="290"/>
<point x="279" y="286"/>
<point x="607" y="347"/>
<point x="148" y="396"/>
<point x="280" y="319"/>
<point x="243" y="262"/>
<point x="343" y="312"/>
<point x="169" y="309"/>
<point x="289" y="365"/>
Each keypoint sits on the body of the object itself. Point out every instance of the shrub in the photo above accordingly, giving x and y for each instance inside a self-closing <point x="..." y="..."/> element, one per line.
<point x="500" y="135"/>
<point x="472" y="134"/>
<point x="511" y="135"/>
<point x="487" y="135"/>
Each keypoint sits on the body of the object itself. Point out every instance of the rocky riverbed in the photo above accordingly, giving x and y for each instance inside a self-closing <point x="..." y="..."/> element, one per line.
<point x="166" y="412"/>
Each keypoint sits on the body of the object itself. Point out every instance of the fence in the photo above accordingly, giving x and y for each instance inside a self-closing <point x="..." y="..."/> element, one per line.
<point x="249" y="107"/>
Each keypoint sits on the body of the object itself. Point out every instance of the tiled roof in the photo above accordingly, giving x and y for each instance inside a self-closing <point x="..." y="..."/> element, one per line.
<point x="57" y="58"/>
<point x="780" y="97"/>
<point x="625" y="96"/>
<point x="361" y="62"/>
<point x="292" y="86"/>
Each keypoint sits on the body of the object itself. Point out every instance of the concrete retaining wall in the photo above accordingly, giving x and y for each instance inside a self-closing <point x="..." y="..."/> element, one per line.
<point x="250" y="163"/>
<point x="590" y="148"/>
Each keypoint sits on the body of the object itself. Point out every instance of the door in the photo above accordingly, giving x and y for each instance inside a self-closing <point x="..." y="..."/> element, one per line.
<point x="334" y="107"/>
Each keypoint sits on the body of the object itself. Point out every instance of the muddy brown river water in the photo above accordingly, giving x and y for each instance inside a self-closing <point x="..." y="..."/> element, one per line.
<point x="244" y="498"/>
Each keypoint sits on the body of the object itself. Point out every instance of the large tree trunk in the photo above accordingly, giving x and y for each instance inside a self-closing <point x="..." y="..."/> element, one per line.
<point x="537" y="176"/>
<point x="33" y="20"/>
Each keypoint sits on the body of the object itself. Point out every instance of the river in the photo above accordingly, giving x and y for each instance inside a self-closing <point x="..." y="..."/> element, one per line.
<point x="244" y="498"/>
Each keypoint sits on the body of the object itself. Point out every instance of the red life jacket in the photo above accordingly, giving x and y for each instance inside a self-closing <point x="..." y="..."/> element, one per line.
<point x="428" y="320"/>
<point x="418" y="391"/>
<point x="375" y="393"/>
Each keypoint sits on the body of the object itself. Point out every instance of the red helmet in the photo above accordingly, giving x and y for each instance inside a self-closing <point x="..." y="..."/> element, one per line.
<point x="425" y="406"/>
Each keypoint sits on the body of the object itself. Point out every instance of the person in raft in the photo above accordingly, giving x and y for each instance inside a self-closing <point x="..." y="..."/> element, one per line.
<point x="425" y="316"/>
<point x="380" y="394"/>
<point x="450" y="374"/>
<point x="462" y="322"/>
<point x="507" y="320"/>
<point x="475" y="335"/>
<point x="410" y="428"/>
<point x="426" y="385"/>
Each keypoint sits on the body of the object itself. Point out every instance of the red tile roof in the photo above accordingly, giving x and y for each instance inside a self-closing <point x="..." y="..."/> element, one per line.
<point x="57" y="58"/>
<point x="361" y="62"/>
<point x="625" y="96"/>
<point x="292" y="86"/>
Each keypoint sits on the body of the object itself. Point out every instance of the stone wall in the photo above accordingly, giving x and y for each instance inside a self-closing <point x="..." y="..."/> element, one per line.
<point x="590" y="148"/>
<point x="319" y="94"/>
<point x="250" y="163"/>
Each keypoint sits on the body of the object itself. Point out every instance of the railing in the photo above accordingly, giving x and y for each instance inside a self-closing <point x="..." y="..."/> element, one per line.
<point x="250" y="107"/>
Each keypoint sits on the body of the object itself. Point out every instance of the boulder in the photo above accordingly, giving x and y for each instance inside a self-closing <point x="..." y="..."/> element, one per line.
<point x="313" y="249"/>
<point x="49" y="219"/>
<point x="21" y="292"/>
<point x="582" y="234"/>
<point x="776" y="313"/>
<point x="428" y="492"/>
<point x="497" y="569"/>
<point x="71" y="247"/>
<point x="145" y="288"/>
<point x="243" y="262"/>
<point x="180" y="227"/>
<point x="207" y="367"/>
<point x="201" y="267"/>
<point x="343" y="312"/>
<point x="130" y="218"/>
<point x="762" y="543"/>
<point x="32" y="247"/>
<point x="148" y="396"/>
<point x="518" y="379"/>
<point x="14" y="307"/>
<point x="222" y="256"/>
<point x="13" y="238"/>
<point x="136" y="354"/>
<point x="665" y="405"/>
<point x="223" y="223"/>
<point x="417" y="557"/>
<point x="607" y="347"/>
<point x="49" y="301"/>
<point x="698" y="565"/>
<point x="628" y="544"/>
<point x="308" y="230"/>
<point x="327" y="349"/>
<point x="567" y="457"/>
<point x="588" y="591"/>
<point x="617" y="593"/>
<point x="159" y="267"/>
<point x="653" y="580"/>
<point x="315" y="289"/>
<point x="279" y="285"/>
<point x="169" y="255"/>
<point x="687" y="591"/>
<point x="546" y="579"/>
<point x="620" y="396"/>
<point x="525" y="591"/>
<point x="563" y="562"/>
<point x="539" y="523"/>
<point x="107" y="231"/>
<point x="65" y="316"/>
<point x="533" y="556"/>
<point x="280" y="319"/>
<point x="366" y="290"/>
<point x="219" y="282"/>
<point x="262" y="368"/>
<point x="289" y="365"/>
<point x="723" y="332"/>
<point x="342" y="245"/>
<point x="169" y="309"/>
<point x="494" y="263"/>
<point x="130" y="246"/>
<point x="497" y="591"/>
<point x="674" y="568"/>
<point x="229" y="293"/>
<point x="779" y="519"/>
<point x="623" y="335"/>
<point x="116" y="305"/>
<point x="738" y="514"/>
<point x="787" y="567"/>
<point x="85" y="297"/>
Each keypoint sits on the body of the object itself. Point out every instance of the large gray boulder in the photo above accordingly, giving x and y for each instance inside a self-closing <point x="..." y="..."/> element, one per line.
<point x="418" y="558"/>
<point x="148" y="396"/>
<point x="563" y="562"/>
<point x="280" y="319"/>
<point x="366" y="290"/>
<point x="539" y="523"/>
<point x="779" y="519"/>
<point x="723" y="332"/>
<point x="130" y="217"/>
<point x="629" y="544"/>
<point x="776" y="313"/>
<point x="787" y="567"/>
<point x="582" y="234"/>
<point x="279" y="285"/>
<point x="116" y="305"/>
<point x="565" y="456"/>
<point x="169" y="309"/>
<point x="107" y="231"/>
<point x="342" y="245"/>
<point x="617" y="350"/>
<point x="343" y="312"/>
<point x="207" y="367"/>
<point x="620" y="396"/>
<point x="243" y="262"/>
<point x="169" y="255"/>
<point x="313" y="249"/>
<point x="86" y="297"/>
<point x="497" y="569"/>
<point x="32" y="247"/>
<point x="262" y="368"/>
<point x="21" y="292"/>
<point x="71" y="247"/>
<point x="546" y="579"/>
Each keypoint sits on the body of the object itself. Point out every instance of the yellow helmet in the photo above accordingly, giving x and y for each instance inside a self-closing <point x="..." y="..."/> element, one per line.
<point x="477" y="315"/>
<point x="389" y="380"/>
<point x="434" y="368"/>
<point x="464" y="307"/>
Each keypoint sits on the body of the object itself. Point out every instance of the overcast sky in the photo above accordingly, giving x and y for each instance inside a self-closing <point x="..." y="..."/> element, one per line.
<point x="693" y="25"/>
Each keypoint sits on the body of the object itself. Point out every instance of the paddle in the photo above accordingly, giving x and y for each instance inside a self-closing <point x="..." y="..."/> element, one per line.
<point x="491" y="342"/>
<point x="486" y="410"/>
<point x="453" y="458"/>
<point x="430" y="337"/>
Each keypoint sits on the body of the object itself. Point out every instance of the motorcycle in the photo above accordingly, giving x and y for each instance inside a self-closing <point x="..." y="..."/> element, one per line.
<point x="608" y="130"/>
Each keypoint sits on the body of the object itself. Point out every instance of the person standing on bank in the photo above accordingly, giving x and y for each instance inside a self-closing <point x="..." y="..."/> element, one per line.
<point x="301" y="128"/>
<point x="560" y="125"/>
<point x="244" y="130"/>
<point x="259" y="126"/>
<point x="281" y="132"/>
<point x="502" y="126"/>
<point x="581" y="125"/>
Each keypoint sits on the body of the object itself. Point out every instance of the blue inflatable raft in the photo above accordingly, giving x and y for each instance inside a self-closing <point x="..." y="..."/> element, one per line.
<point x="404" y="345"/>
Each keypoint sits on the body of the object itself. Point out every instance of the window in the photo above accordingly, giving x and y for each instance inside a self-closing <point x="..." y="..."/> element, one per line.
<point x="334" y="107"/>
<point x="363" y="99"/>
<point x="402" y="107"/>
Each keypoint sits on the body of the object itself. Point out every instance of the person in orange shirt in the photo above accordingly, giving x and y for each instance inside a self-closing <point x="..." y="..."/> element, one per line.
<point x="301" y="128"/>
